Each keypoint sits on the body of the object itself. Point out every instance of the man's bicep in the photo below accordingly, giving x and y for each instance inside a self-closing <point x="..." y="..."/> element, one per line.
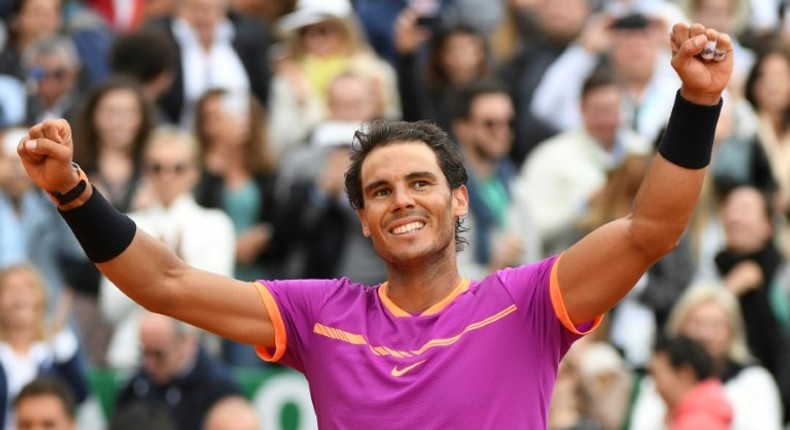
<point x="225" y="306"/>
<point x="599" y="270"/>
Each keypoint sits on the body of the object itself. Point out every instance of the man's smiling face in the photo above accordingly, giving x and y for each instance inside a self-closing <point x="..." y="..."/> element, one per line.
<point x="409" y="212"/>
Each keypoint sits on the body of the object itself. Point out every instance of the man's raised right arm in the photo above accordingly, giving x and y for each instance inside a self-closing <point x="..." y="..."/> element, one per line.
<point x="140" y="265"/>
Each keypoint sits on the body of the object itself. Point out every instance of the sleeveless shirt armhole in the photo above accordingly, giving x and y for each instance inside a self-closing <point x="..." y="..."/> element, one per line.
<point x="559" y="306"/>
<point x="280" y="338"/>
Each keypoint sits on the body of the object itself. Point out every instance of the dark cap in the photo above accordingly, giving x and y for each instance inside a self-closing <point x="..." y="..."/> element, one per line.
<point x="631" y="21"/>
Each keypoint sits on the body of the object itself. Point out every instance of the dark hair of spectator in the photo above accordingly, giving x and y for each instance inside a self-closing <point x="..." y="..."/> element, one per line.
<point x="49" y="386"/>
<point x="437" y="76"/>
<point x="682" y="351"/>
<point x="473" y="91"/>
<point x="757" y="73"/>
<point x="382" y="133"/>
<point x="602" y="76"/>
<point x="143" y="54"/>
<point x="142" y="415"/>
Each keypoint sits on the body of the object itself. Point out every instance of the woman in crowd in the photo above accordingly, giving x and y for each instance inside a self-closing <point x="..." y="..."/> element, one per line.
<point x="30" y="344"/>
<point x="239" y="178"/>
<point x="321" y="41"/>
<point x="710" y="314"/>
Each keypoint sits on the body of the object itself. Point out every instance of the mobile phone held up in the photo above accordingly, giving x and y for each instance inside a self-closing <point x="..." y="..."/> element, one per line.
<point x="427" y="12"/>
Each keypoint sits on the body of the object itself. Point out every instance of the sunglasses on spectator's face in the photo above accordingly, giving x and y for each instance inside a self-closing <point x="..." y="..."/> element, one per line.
<point x="493" y="124"/>
<point x="40" y="73"/>
<point x="160" y="168"/>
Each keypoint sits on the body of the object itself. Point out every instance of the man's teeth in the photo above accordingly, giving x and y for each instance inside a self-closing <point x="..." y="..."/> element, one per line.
<point x="412" y="226"/>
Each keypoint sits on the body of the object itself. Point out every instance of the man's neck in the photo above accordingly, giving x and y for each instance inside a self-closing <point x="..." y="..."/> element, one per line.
<point x="416" y="289"/>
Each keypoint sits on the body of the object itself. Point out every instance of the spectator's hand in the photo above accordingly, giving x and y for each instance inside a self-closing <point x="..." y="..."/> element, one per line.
<point x="703" y="80"/>
<point x="744" y="277"/>
<point x="46" y="153"/>
<point x="596" y="36"/>
<point x="408" y="35"/>
<point x="252" y="242"/>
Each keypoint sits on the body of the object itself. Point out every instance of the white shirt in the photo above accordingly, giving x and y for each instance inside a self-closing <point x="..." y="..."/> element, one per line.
<point x="204" y="238"/>
<point x="217" y="67"/>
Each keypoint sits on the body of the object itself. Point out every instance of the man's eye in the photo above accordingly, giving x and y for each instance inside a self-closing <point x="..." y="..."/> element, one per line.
<point x="381" y="192"/>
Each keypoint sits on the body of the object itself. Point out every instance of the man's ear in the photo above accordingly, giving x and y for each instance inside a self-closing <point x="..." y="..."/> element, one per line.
<point x="460" y="201"/>
<point x="365" y="227"/>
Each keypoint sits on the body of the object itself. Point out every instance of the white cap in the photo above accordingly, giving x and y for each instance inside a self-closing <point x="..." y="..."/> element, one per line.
<point x="309" y="12"/>
<point x="330" y="134"/>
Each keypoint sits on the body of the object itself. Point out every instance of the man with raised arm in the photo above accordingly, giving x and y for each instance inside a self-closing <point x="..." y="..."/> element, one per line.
<point x="427" y="348"/>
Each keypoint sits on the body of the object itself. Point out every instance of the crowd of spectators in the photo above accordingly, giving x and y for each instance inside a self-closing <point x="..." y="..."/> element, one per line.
<point x="222" y="128"/>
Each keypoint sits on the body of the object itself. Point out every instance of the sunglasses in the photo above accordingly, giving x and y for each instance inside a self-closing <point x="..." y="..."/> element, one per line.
<point x="493" y="124"/>
<point x="160" y="168"/>
<point x="40" y="73"/>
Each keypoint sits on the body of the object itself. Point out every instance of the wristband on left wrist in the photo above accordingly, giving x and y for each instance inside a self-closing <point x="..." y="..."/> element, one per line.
<point x="62" y="199"/>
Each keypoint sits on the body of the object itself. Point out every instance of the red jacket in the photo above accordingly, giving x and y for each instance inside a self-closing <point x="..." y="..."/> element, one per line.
<point x="704" y="407"/>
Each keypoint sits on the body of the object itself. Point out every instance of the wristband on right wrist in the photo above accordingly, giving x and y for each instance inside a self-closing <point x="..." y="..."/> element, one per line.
<point x="102" y="231"/>
<point x="688" y="140"/>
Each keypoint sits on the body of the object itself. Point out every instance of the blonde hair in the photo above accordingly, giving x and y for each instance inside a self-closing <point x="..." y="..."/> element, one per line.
<point x="40" y="288"/>
<point x="168" y="135"/>
<point x="705" y="292"/>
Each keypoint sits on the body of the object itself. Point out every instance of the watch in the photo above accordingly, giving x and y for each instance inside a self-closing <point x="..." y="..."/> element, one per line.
<point x="62" y="199"/>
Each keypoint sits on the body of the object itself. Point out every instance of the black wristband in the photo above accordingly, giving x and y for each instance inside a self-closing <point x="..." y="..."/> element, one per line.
<point x="102" y="230"/>
<point x="688" y="140"/>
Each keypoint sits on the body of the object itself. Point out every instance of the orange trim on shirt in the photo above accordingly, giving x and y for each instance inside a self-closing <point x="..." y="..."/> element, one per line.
<point x="559" y="304"/>
<point x="462" y="286"/>
<point x="280" y="337"/>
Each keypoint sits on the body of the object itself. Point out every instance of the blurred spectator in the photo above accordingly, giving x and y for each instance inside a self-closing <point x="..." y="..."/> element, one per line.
<point x="558" y="24"/>
<point x="768" y="92"/>
<point x="748" y="265"/>
<point x="45" y="403"/>
<point x="711" y="315"/>
<point x="628" y="45"/>
<point x="642" y="313"/>
<point x="30" y="228"/>
<point x="113" y="123"/>
<point x="430" y="87"/>
<point x="176" y="372"/>
<point x="203" y="237"/>
<point x="350" y="99"/>
<point x="139" y="415"/>
<point x="517" y="26"/>
<point x="53" y="68"/>
<point x="30" y="343"/>
<point x="563" y="173"/>
<point x="232" y="413"/>
<point x="502" y="232"/>
<point x="239" y="173"/>
<point x="727" y="16"/>
<point x="684" y="378"/>
<point x="592" y="390"/>
<point x="318" y="233"/>
<point x="37" y="20"/>
<point x="321" y="41"/>
<point x="13" y="104"/>
<point x="31" y="21"/>
<point x="149" y="56"/>
<point x="216" y="48"/>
